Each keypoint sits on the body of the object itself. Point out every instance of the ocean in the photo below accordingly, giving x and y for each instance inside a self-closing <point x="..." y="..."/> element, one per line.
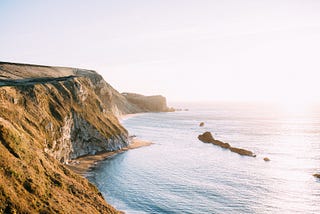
<point x="180" y="174"/>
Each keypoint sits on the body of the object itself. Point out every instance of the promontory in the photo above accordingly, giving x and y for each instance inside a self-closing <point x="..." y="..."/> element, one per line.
<point x="48" y="116"/>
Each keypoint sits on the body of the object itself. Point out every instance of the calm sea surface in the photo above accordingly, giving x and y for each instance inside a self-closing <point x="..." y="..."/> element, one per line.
<point x="180" y="174"/>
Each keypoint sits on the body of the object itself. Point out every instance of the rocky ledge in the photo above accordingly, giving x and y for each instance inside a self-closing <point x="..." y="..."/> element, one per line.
<point x="207" y="137"/>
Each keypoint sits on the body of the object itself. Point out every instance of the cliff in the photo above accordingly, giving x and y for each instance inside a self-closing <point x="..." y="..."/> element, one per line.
<point x="49" y="115"/>
<point x="156" y="103"/>
<point x="118" y="104"/>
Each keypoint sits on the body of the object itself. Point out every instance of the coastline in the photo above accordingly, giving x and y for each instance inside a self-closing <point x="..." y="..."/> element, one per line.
<point x="83" y="164"/>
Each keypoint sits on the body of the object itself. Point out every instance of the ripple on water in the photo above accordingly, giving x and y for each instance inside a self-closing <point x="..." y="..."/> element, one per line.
<point x="179" y="174"/>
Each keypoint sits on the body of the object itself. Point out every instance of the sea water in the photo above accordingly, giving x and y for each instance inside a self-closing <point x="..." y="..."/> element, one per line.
<point x="180" y="174"/>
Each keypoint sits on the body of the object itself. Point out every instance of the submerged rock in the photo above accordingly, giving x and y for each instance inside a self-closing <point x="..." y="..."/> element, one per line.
<point x="266" y="159"/>
<point x="201" y="124"/>
<point x="207" y="137"/>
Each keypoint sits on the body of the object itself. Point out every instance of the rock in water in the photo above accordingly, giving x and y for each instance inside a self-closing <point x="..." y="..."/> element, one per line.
<point x="206" y="137"/>
<point x="221" y="144"/>
<point x="266" y="159"/>
<point x="317" y="175"/>
<point x="242" y="151"/>
<point x="201" y="124"/>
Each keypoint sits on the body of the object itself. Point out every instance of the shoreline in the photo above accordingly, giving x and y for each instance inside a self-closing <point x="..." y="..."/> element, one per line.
<point x="83" y="164"/>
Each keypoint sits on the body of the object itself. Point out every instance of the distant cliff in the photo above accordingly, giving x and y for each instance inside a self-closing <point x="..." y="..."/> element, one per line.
<point x="49" y="115"/>
<point x="156" y="103"/>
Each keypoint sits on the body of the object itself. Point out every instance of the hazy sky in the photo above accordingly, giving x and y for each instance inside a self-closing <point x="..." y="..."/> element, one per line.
<point x="234" y="50"/>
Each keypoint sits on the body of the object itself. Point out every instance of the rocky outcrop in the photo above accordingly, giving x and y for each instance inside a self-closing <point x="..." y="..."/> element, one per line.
<point x="207" y="137"/>
<point x="242" y="151"/>
<point x="79" y="138"/>
<point x="201" y="124"/>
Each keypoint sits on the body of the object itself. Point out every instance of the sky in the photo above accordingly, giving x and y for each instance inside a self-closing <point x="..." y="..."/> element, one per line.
<point x="186" y="50"/>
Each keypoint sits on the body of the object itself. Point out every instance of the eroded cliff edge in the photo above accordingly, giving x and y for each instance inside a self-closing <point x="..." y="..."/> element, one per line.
<point x="49" y="115"/>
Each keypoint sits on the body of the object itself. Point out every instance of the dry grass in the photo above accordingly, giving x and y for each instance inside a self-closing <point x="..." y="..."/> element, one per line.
<point x="31" y="181"/>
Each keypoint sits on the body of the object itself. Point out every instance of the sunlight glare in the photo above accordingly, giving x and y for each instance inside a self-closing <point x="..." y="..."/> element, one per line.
<point x="295" y="106"/>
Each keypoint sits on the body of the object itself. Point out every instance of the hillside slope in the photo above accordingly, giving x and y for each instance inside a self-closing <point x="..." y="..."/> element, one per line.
<point x="42" y="125"/>
<point x="49" y="115"/>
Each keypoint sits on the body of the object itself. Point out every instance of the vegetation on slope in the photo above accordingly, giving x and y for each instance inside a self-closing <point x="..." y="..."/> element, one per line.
<point x="31" y="117"/>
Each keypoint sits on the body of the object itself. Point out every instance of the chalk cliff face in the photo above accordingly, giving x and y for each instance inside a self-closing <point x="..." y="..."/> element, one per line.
<point x="49" y="115"/>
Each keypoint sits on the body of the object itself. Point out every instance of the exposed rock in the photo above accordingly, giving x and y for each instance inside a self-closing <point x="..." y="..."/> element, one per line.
<point x="207" y="137"/>
<point x="222" y="144"/>
<point x="79" y="138"/>
<point x="316" y="175"/>
<point x="201" y="124"/>
<point x="242" y="151"/>
<point x="266" y="159"/>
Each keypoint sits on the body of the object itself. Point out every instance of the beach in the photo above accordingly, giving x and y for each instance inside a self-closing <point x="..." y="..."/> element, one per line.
<point x="81" y="165"/>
